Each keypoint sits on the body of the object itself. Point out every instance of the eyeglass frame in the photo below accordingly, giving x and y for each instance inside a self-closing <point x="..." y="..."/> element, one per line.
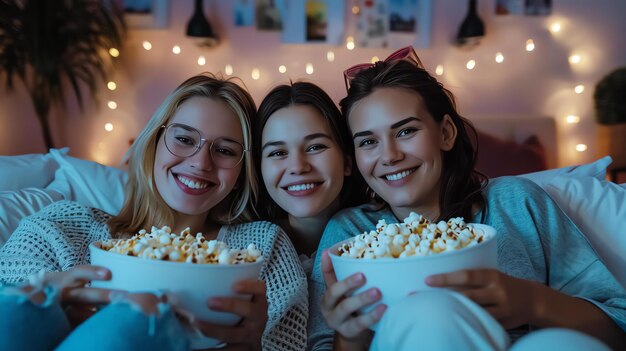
<point x="406" y="53"/>
<point x="203" y="141"/>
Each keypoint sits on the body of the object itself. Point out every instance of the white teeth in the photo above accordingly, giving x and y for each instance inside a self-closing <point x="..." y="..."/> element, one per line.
<point x="190" y="183"/>
<point x="301" y="187"/>
<point x="400" y="175"/>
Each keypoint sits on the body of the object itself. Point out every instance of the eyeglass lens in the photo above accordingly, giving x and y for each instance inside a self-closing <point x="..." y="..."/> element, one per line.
<point x="185" y="141"/>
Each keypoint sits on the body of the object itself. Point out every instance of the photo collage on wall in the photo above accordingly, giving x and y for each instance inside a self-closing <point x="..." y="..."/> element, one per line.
<point x="524" y="7"/>
<point x="379" y="23"/>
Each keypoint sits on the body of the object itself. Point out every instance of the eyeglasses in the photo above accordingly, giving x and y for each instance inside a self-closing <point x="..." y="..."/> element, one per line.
<point x="184" y="141"/>
<point x="405" y="54"/>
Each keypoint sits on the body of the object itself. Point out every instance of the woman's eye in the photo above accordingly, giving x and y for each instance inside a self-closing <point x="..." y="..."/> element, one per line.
<point x="316" y="147"/>
<point x="184" y="140"/>
<point x="367" y="142"/>
<point x="277" y="153"/>
<point x="224" y="151"/>
<point x="407" y="131"/>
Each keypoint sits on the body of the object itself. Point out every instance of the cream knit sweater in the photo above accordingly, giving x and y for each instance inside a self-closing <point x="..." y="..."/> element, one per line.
<point x="57" y="239"/>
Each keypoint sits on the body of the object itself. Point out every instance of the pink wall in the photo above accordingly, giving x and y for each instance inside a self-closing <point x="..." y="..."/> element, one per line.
<point x="526" y="83"/>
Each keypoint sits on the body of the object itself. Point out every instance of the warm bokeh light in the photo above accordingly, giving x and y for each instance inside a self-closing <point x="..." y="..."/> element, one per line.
<point x="282" y="69"/>
<point x="530" y="45"/>
<point x="375" y="59"/>
<point x="309" y="68"/>
<point x="112" y="86"/>
<point x="114" y="52"/>
<point x="350" y="43"/>
<point x="201" y="61"/>
<point x="147" y="45"/>
<point x="108" y="127"/>
<point x="572" y="119"/>
<point x="499" y="57"/>
<point x="176" y="49"/>
<point x="470" y="64"/>
<point x="555" y="27"/>
<point x="574" y="59"/>
<point x="330" y="56"/>
<point x="256" y="74"/>
<point x="356" y="10"/>
<point x="439" y="70"/>
<point x="228" y="70"/>
<point x="581" y="147"/>
<point x="112" y="105"/>
<point x="579" y="89"/>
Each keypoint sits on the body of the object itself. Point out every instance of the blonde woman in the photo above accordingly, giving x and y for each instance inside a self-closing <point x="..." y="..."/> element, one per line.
<point x="189" y="167"/>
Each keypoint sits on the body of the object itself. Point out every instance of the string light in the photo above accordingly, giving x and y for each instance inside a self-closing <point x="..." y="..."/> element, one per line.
<point x="579" y="89"/>
<point x="470" y="64"/>
<point x="112" y="86"/>
<point x="581" y="147"/>
<point x="499" y="57"/>
<point x="572" y="119"/>
<point x="350" y="43"/>
<point x="282" y="69"/>
<point x="309" y="68"/>
<point x="256" y="74"/>
<point x="530" y="45"/>
<point x="555" y="27"/>
<point x="228" y="70"/>
<point x="176" y="49"/>
<point x="356" y="10"/>
<point x="108" y="127"/>
<point x="112" y="105"/>
<point x="201" y="61"/>
<point x="114" y="52"/>
<point x="147" y="45"/>
<point x="574" y="59"/>
<point x="439" y="70"/>
<point x="330" y="56"/>
<point x="375" y="59"/>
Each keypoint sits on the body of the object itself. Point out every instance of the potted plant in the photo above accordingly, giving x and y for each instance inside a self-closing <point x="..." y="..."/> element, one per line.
<point x="610" y="106"/>
<point x="55" y="46"/>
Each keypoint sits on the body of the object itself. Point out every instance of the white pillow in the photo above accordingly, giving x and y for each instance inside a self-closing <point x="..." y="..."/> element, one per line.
<point x="598" y="208"/>
<point x="595" y="169"/>
<point x="27" y="171"/>
<point x="15" y="205"/>
<point x="91" y="183"/>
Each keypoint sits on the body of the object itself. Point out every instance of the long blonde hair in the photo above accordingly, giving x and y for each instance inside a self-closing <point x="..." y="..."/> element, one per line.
<point x="144" y="206"/>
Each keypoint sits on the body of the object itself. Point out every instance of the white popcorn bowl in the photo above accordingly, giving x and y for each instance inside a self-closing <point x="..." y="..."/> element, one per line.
<point x="397" y="277"/>
<point x="191" y="284"/>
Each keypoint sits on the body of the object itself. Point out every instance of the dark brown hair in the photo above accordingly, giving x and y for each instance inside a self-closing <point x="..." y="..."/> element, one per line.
<point x="307" y="94"/>
<point x="461" y="185"/>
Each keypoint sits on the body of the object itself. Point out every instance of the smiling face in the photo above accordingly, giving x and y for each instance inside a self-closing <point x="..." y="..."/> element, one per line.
<point x="399" y="148"/>
<point x="192" y="186"/>
<point x="302" y="165"/>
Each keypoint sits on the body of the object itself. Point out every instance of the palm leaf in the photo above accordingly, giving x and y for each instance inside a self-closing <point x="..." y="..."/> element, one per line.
<point x="45" y="43"/>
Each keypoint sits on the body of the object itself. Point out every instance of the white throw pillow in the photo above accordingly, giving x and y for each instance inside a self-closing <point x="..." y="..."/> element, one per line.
<point x="595" y="169"/>
<point x="15" y="205"/>
<point x="598" y="208"/>
<point x="27" y="171"/>
<point x="91" y="183"/>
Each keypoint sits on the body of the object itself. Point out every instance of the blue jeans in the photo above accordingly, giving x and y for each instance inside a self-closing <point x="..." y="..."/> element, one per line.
<point x="119" y="326"/>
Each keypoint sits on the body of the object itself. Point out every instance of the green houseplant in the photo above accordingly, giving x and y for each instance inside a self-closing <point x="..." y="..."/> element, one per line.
<point x="610" y="106"/>
<point x="54" y="46"/>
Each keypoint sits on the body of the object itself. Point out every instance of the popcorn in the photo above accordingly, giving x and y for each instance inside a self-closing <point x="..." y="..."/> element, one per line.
<point x="415" y="236"/>
<point x="162" y="244"/>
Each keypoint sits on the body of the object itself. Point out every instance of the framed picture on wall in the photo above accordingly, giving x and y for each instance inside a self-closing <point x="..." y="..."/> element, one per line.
<point x="145" y="14"/>
<point x="313" y="21"/>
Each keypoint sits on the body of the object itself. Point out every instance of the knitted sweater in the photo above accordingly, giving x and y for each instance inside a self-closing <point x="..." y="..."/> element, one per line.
<point x="536" y="241"/>
<point x="57" y="239"/>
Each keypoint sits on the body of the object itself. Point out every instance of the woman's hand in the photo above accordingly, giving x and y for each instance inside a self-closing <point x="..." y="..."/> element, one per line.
<point x="247" y="334"/>
<point x="511" y="301"/>
<point x="79" y="302"/>
<point x="341" y="312"/>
